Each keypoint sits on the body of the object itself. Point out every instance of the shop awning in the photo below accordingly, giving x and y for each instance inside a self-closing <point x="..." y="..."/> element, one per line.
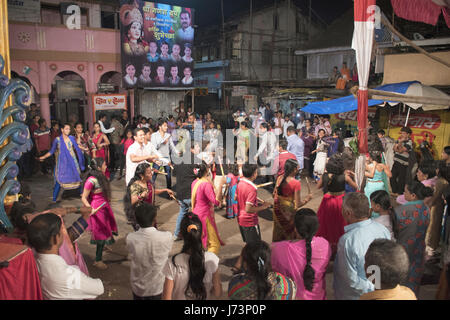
<point x="405" y="92"/>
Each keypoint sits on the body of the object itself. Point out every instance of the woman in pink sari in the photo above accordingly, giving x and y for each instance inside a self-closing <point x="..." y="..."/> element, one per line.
<point x="102" y="146"/>
<point x="304" y="260"/>
<point x="96" y="193"/>
<point x="203" y="200"/>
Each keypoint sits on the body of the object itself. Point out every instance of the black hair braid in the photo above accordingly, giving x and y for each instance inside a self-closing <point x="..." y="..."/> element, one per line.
<point x="289" y="167"/>
<point x="257" y="257"/>
<point x="308" y="273"/>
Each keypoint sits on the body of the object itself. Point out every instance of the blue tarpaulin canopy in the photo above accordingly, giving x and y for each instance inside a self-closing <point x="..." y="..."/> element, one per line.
<point x="350" y="103"/>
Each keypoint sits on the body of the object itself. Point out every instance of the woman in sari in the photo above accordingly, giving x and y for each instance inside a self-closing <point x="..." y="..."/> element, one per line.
<point x="84" y="142"/>
<point x="203" y="200"/>
<point x="141" y="189"/>
<point x="331" y="221"/>
<point x="69" y="162"/>
<point x="97" y="193"/>
<point x="413" y="219"/>
<point x="101" y="142"/>
<point x="243" y="141"/>
<point x="287" y="201"/>
<point x="376" y="173"/>
<point x="321" y="154"/>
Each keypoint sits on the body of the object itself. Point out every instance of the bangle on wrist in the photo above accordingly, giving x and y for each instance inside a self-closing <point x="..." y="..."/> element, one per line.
<point x="78" y="210"/>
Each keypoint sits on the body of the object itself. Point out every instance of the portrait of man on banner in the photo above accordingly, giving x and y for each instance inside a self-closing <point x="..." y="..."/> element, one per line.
<point x="156" y="45"/>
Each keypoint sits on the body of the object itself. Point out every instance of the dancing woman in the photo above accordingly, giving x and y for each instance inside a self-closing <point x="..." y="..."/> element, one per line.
<point x="375" y="173"/>
<point x="141" y="189"/>
<point x="331" y="221"/>
<point x="96" y="193"/>
<point x="69" y="162"/>
<point x="287" y="201"/>
<point x="203" y="200"/>
<point x="321" y="156"/>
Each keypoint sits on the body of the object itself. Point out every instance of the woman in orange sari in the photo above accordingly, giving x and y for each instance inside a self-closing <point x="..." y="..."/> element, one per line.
<point x="203" y="200"/>
<point x="287" y="201"/>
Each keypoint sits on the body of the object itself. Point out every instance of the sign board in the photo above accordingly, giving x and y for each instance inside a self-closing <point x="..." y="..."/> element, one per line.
<point x="24" y="10"/>
<point x="249" y="97"/>
<point x="156" y="45"/>
<point x="105" y="87"/>
<point x="109" y="101"/>
<point x="70" y="89"/>
<point x="239" y="91"/>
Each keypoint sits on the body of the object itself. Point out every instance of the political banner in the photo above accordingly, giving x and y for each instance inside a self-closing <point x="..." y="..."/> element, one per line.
<point x="156" y="45"/>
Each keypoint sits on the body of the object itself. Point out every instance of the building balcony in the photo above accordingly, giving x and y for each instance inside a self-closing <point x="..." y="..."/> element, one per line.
<point x="30" y="41"/>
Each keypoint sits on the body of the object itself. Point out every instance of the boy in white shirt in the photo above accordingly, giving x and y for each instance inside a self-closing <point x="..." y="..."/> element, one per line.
<point x="149" y="250"/>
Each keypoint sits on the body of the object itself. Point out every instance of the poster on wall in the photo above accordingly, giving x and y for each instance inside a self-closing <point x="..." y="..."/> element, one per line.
<point x="24" y="10"/>
<point x="156" y="45"/>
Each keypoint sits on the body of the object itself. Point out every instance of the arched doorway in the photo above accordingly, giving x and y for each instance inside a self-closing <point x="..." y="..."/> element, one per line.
<point x="68" y="98"/>
<point x="113" y="78"/>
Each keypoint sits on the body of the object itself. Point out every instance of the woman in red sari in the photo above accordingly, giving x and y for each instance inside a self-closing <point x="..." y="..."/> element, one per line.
<point x="331" y="221"/>
<point x="203" y="200"/>
<point x="101" y="142"/>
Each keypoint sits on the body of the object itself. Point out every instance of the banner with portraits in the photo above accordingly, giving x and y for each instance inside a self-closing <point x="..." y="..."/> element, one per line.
<point x="156" y="45"/>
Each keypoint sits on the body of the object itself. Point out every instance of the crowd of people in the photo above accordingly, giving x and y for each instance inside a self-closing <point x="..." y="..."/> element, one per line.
<point x="392" y="221"/>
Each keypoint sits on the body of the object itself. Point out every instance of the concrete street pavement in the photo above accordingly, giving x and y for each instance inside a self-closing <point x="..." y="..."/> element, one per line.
<point x="116" y="277"/>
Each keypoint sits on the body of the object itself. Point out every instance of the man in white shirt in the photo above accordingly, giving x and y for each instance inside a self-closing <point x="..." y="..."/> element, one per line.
<point x="59" y="281"/>
<point x="148" y="250"/>
<point x="101" y="121"/>
<point x="186" y="32"/>
<point x="267" y="148"/>
<point x="137" y="153"/>
<point x="163" y="143"/>
<point x="287" y="123"/>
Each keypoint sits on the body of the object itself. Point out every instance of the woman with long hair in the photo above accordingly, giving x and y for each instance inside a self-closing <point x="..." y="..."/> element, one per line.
<point x="257" y="281"/>
<point x="321" y="154"/>
<point x="413" y="219"/>
<point x="382" y="211"/>
<point x="140" y="189"/>
<point x="376" y="173"/>
<point x="304" y="259"/>
<point x="97" y="193"/>
<point x="101" y="142"/>
<point x="203" y="200"/>
<point x="331" y="221"/>
<point x="192" y="274"/>
<point x="287" y="201"/>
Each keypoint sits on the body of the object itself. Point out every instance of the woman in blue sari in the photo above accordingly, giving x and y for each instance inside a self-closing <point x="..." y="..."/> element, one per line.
<point x="413" y="219"/>
<point x="376" y="171"/>
<point x="69" y="162"/>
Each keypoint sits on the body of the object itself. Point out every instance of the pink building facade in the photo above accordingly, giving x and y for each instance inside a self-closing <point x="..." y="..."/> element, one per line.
<point x="49" y="50"/>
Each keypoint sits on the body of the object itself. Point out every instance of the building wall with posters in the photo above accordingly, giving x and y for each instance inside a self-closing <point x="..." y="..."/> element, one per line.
<point x="49" y="51"/>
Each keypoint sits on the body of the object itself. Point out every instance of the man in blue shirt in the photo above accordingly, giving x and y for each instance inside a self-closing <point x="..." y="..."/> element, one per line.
<point x="295" y="145"/>
<point x="350" y="280"/>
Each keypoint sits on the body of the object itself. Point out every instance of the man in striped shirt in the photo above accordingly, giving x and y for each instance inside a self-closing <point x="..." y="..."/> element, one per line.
<point x="402" y="149"/>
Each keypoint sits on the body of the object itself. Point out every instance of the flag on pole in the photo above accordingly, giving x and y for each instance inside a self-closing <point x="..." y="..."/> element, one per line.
<point x="364" y="19"/>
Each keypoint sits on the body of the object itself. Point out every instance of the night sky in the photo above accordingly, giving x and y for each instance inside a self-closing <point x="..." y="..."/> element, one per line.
<point x="207" y="12"/>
